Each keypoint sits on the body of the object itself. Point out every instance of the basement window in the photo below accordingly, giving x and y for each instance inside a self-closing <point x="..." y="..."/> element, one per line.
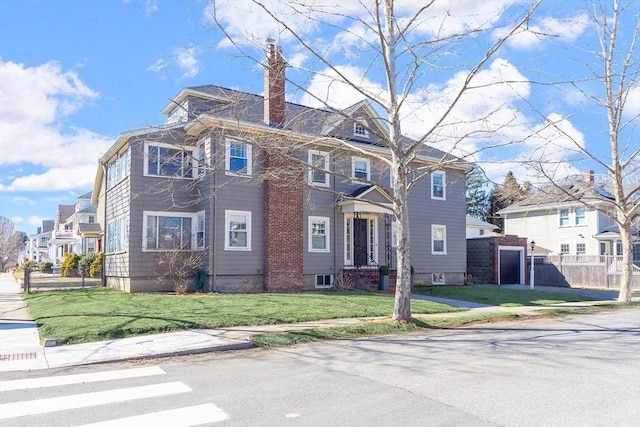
<point x="323" y="280"/>
<point x="437" y="278"/>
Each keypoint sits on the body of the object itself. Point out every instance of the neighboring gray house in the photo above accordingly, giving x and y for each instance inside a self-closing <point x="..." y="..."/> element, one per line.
<point x="224" y="176"/>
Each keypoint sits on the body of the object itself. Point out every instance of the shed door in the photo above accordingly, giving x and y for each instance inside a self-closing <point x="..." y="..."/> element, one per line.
<point x="509" y="267"/>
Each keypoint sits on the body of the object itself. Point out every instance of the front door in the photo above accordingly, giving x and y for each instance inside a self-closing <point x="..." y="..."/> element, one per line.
<point x="360" y="255"/>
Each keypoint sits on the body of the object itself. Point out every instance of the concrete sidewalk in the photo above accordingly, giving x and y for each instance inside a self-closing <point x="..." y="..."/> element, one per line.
<point x="21" y="349"/>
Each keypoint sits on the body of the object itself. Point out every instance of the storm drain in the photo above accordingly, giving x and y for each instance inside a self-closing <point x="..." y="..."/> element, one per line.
<point x="18" y="356"/>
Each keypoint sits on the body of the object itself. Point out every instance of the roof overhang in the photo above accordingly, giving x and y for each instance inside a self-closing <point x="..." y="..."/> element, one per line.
<point x="353" y="206"/>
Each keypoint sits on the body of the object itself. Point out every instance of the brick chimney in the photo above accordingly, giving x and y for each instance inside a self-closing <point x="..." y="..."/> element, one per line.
<point x="589" y="176"/>
<point x="274" y="78"/>
<point x="283" y="195"/>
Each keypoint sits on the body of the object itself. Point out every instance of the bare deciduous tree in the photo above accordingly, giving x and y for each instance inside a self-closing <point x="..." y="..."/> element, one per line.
<point x="11" y="242"/>
<point x="401" y="58"/>
<point x="613" y="65"/>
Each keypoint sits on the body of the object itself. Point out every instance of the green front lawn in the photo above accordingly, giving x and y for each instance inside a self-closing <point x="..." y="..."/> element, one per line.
<point x="494" y="295"/>
<point x="85" y="315"/>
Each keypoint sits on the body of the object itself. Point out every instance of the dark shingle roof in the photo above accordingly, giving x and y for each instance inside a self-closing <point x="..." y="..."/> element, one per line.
<point x="65" y="211"/>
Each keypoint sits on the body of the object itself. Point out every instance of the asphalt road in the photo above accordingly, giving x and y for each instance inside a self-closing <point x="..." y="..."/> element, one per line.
<point x="582" y="370"/>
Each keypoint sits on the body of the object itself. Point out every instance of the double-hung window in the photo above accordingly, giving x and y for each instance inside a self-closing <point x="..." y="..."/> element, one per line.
<point x="564" y="217"/>
<point x="200" y="223"/>
<point x="118" y="168"/>
<point x="580" y="216"/>
<point x="238" y="158"/>
<point x="319" y="162"/>
<point x="581" y="248"/>
<point x="116" y="235"/>
<point x="168" y="231"/>
<point x="202" y="162"/>
<point x="438" y="239"/>
<point x="438" y="185"/>
<point x="360" y="169"/>
<point x="167" y="160"/>
<point x="318" y="234"/>
<point x="237" y="231"/>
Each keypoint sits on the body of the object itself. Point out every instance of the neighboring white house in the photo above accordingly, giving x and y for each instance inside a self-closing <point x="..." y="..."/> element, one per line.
<point x="478" y="228"/>
<point x="76" y="230"/>
<point x="37" y="245"/>
<point x="555" y="220"/>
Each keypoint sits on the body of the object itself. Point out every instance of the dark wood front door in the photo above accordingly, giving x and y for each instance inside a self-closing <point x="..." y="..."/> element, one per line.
<point x="360" y="256"/>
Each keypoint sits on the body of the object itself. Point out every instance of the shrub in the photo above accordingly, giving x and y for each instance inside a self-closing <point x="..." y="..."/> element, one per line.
<point x="95" y="270"/>
<point x="69" y="265"/>
<point x="45" y="266"/>
<point x="385" y="270"/>
<point x="85" y="262"/>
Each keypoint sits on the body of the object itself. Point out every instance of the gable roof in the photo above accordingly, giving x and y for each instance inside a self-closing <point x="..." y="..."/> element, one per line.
<point x="472" y="222"/>
<point x="65" y="212"/>
<point x="568" y="194"/>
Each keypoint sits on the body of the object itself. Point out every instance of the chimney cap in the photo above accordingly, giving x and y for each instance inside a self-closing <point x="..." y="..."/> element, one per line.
<point x="270" y="40"/>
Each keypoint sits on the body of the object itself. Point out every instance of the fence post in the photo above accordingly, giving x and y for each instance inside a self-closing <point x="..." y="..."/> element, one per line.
<point x="27" y="280"/>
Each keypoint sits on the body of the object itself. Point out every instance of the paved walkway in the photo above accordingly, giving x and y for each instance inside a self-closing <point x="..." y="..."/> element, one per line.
<point x="21" y="349"/>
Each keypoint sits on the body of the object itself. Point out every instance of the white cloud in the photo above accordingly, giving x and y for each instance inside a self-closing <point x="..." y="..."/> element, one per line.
<point x="17" y="219"/>
<point x="20" y="200"/>
<point x="632" y="107"/>
<point x="565" y="30"/>
<point x="55" y="179"/>
<point x="249" y="24"/>
<point x="33" y="101"/>
<point x="326" y="88"/>
<point x="151" y="7"/>
<point x="36" y="221"/>
<point x="184" y="58"/>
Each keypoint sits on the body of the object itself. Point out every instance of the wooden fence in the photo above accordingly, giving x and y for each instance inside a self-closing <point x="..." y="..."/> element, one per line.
<point x="597" y="272"/>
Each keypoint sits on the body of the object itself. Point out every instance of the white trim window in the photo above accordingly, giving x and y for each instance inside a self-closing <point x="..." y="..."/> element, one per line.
<point x="116" y="235"/>
<point x="581" y="248"/>
<point x="438" y="185"/>
<point x="324" y="280"/>
<point x="564" y="249"/>
<point x="437" y="278"/>
<point x="202" y="159"/>
<point x="360" y="169"/>
<point x="360" y="128"/>
<point x="167" y="160"/>
<point x="319" y="161"/>
<point x="169" y="231"/>
<point x="438" y="239"/>
<point x="319" y="234"/>
<point x="238" y="160"/>
<point x="200" y="233"/>
<point x="580" y="215"/>
<point x="237" y="236"/>
<point x="118" y="168"/>
<point x="563" y="215"/>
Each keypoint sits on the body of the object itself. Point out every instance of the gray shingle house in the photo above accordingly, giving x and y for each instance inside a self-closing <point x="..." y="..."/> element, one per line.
<point x="277" y="196"/>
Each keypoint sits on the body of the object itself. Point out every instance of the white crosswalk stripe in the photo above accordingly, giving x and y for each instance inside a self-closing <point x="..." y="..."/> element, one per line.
<point x="183" y="417"/>
<point x="180" y="417"/>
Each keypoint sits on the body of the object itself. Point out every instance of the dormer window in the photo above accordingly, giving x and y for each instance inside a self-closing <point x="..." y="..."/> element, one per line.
<point x="360" y="128"/>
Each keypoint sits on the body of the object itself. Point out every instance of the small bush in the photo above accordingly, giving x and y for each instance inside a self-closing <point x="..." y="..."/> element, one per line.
<point x="69" y="266"/>
<point x="95" y="269"/>
<point x="84" y="264"/>
<point x="45" y="266"/>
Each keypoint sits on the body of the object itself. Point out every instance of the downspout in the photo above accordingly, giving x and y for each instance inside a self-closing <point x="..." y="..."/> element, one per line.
<point x="212" y="228"/>
<point x="105" y="172"/>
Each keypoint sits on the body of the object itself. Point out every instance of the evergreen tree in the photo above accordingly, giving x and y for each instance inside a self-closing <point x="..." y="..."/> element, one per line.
<point x="507" y="194"/>
<point x="477" y="197"/>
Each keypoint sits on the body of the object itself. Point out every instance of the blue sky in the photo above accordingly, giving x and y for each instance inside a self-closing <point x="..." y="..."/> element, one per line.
<point x="74" y="74"/>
